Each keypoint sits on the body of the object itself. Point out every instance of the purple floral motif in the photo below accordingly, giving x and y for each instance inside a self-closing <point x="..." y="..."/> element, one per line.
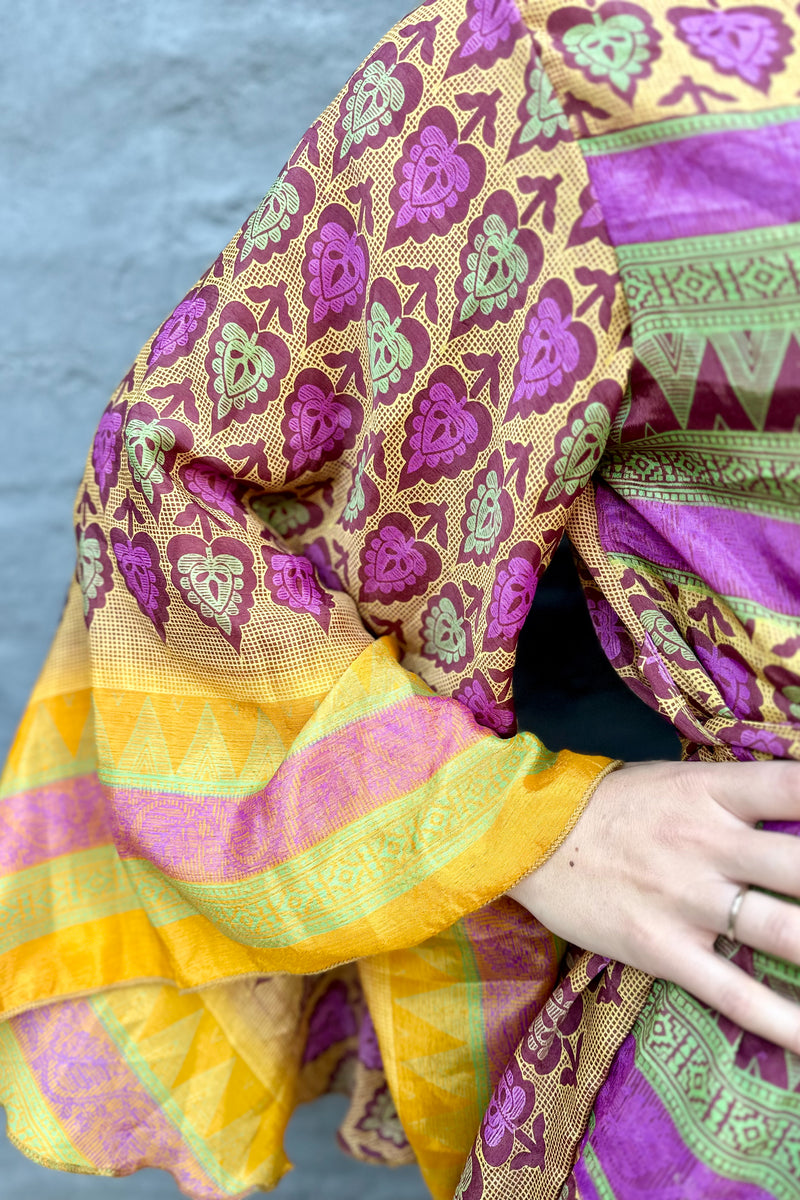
<point x="319" y="556"/>
<point x="93" y="569"/>
<point x="751" y="42"/>
<point x="335" y="271"/>
<point x="610" y="629"/>
<point x="554" y="353"/>
<point x="476" y="693"/>
<point x="488" y="33"/>
<point x="394" y="565"/>
<point x="399" y="346"/>
<point x="363" y="498"/>
<point x="512" y="595"/>
<point x="436" y="177"/>
<point x="139" y="563"/>
<point x="558" y="1020"/>
<point x="106" y="451"/>
<point x="499" y="262"/>
<point x="332" y="1021"/>
<point x="369" y="1052"/>
<point x="510" y="1106"/>
<point x="489" y="513"/>
<point x="730" y="673"/>
<point x="616" y="44"/>
<point x="183" y="328"/>
<point x="379" y="98"/>
<point x="318" y="422"/>
<point x="211" y="481"/>
<point x="446" y="632"/>
<point x="293" y="584"/>
<point x="216" y="580"/>
<point x="278" y="220"/>
<point x="245" y="364"/>
<point x="445" y="432"/>
<point x="757" y="741"/>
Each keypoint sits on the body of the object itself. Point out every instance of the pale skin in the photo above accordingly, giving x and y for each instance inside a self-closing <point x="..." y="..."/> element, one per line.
<point x="650" y="871"/>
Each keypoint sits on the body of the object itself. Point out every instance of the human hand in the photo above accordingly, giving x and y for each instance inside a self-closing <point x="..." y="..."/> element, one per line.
<point x="651" y="869"/>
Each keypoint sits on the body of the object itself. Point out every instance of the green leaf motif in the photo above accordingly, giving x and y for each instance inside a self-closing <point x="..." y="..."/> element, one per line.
<point x="615" y="49"/>
<point x="213" y="584"/>
<point x="390" y="351"/>
<point x="357" y="498"/>
<point x="486" y="517"/>
<point x="284" y="514"/>
<point x="665" y="635"/>
<point x="272" y="217"/>
<point x="445" y="633"/>
<point x="90" y="569"/>
<point x="242" y="369"/>
<point x="546" y="116"/>
<point x="374" y="100"/>
<point x="147" y="444"/>
<point x="581" y="451"/>
<point x="495" y="268"/>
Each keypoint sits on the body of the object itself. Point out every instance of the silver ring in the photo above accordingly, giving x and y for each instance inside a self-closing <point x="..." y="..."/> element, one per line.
<point x="733" y="912"/>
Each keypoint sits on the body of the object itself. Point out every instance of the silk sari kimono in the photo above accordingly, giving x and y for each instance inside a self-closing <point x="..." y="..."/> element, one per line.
<point x="535" y="271"/>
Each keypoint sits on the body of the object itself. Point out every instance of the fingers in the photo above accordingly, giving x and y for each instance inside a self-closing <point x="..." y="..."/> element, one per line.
<point x="763" y="859"/>
<point x="769" y="925"/>
<point x="723" y="986"/>
<point x="757" y="791"/>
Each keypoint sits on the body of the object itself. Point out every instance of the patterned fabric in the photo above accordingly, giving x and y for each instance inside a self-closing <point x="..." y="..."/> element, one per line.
<point x="534" y="271"/>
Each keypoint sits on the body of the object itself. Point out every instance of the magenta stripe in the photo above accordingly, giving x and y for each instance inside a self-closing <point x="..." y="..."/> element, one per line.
<point x="313" y="794"/>
<point x="709" y="183"/>
<point x="103" y="1107"/>
<point x="47" y="821"/>
<point x="735" y="553"/>
<point x="640" y="1150"/>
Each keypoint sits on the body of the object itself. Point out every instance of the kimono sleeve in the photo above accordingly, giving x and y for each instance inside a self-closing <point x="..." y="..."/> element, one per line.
<point x="312" y="523"/>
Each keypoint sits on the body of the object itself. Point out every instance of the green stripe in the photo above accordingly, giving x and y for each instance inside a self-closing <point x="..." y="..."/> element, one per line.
<point x="354" y="871"/>
<point x="394" y="687"/>
<point x="678" y="128"/>
<point x="136" y="1062"/>
<point x="743" y="609"/>
<point x="737" y="470"/>
<point x="67" y="891"/>
<point x="736" y="1123"/>
<point x="597" y="1174"/>
<point x="745" y="280"/>
<point x="14" y="784"/>
<point x="348" y="876"/>
<point x="30" y="1121"/>
<point x="476" y="1020"/>
<point x="711" y="245"/>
